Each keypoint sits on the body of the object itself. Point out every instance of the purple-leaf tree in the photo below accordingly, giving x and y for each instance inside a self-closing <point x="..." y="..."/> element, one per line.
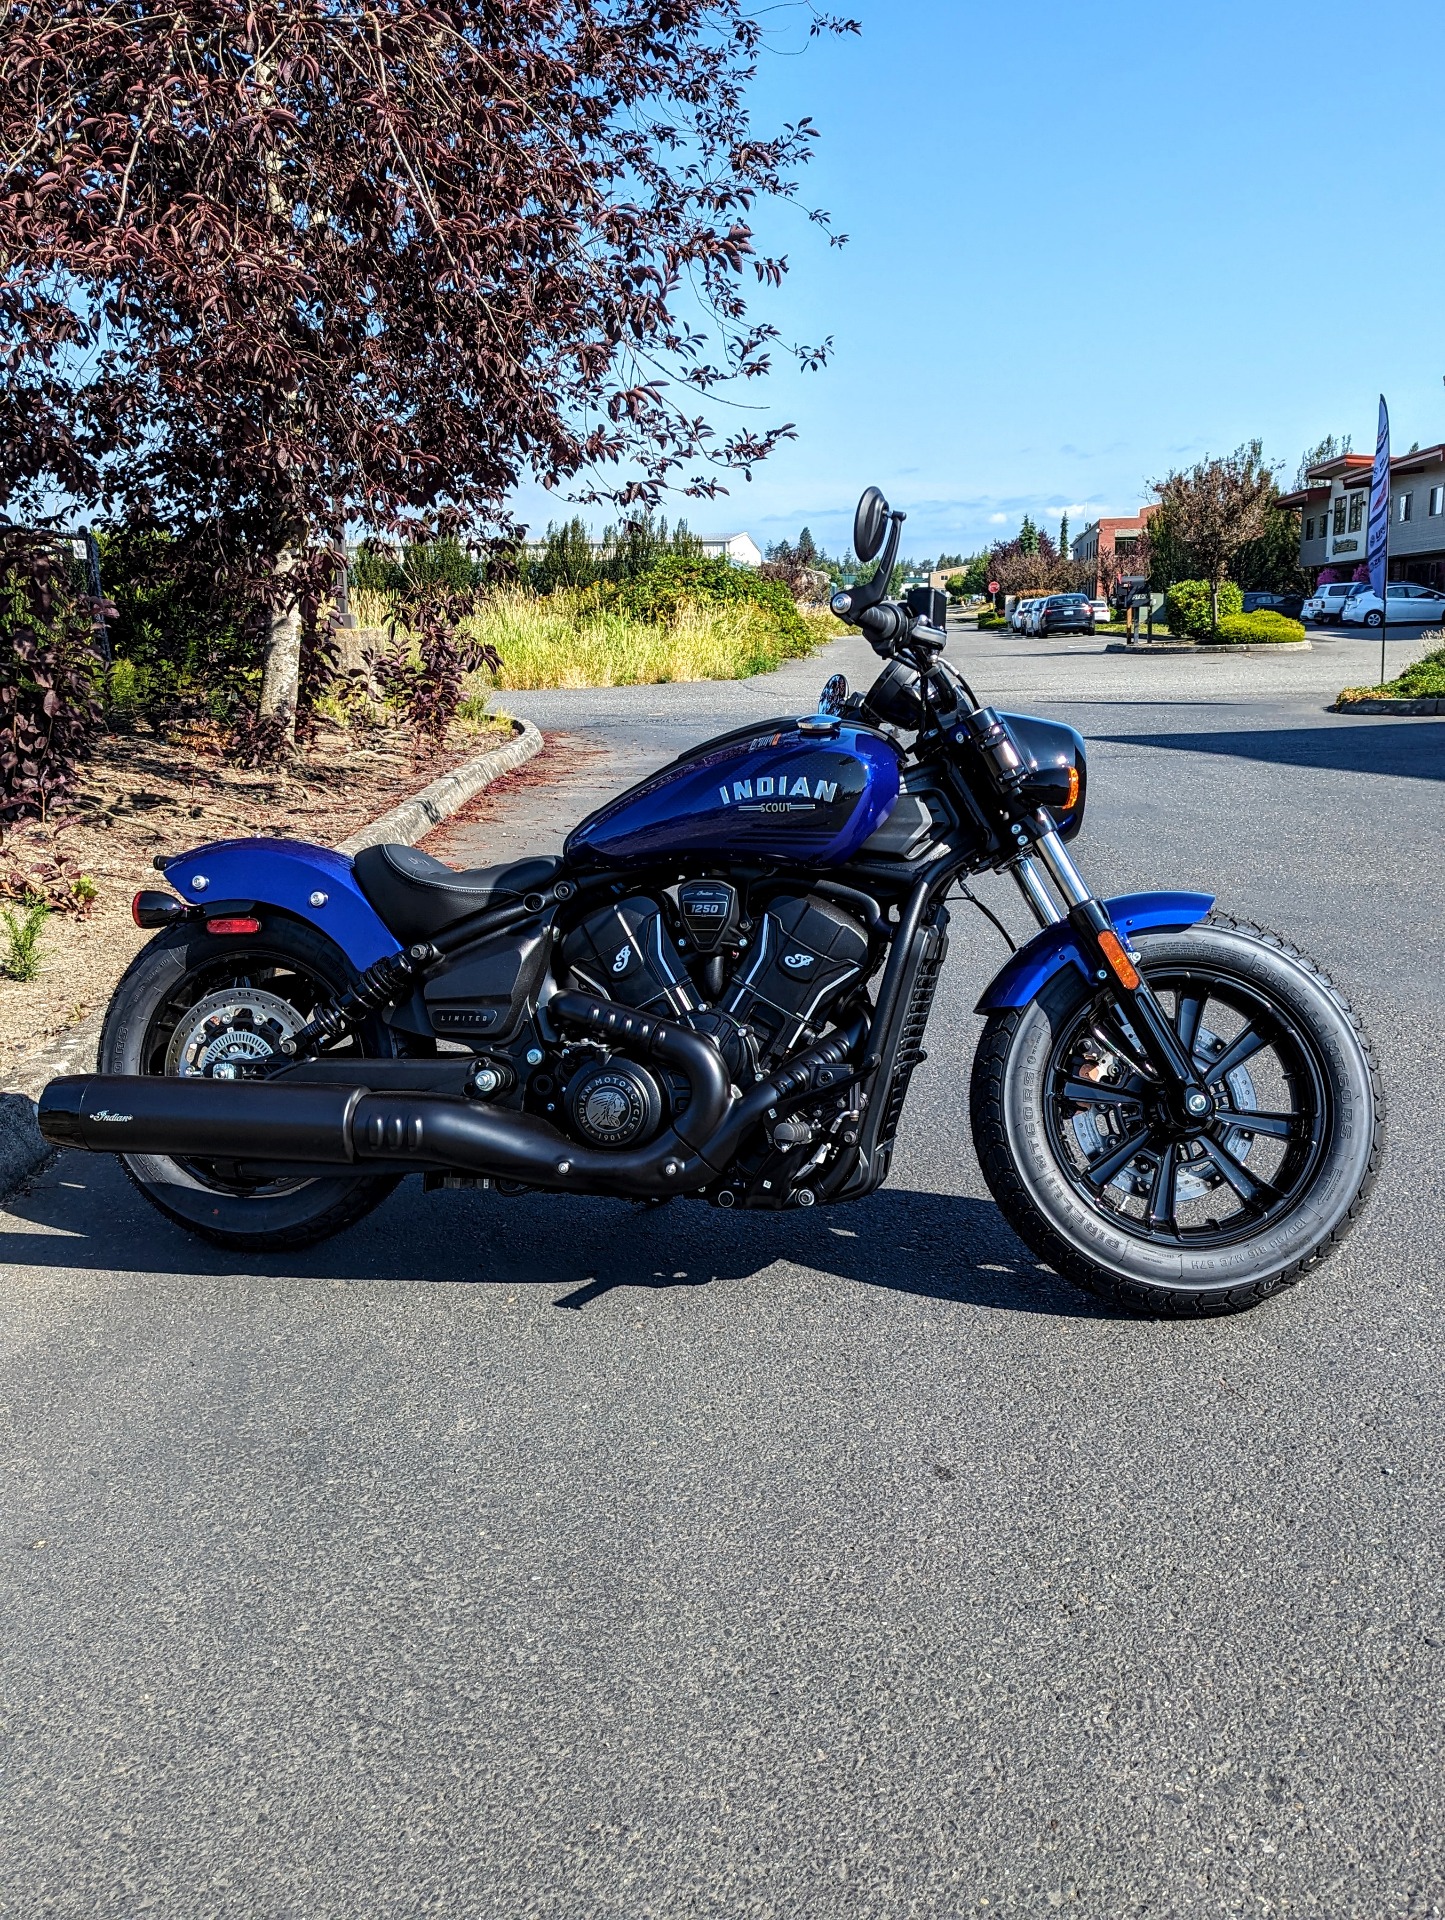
<point x="271" y="269"/>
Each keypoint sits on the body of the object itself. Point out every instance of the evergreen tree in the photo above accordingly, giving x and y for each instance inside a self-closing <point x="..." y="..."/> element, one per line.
<point x="1028" y="536"/>
<point x="1064" y="538"/>
<point x="807" y="549"/>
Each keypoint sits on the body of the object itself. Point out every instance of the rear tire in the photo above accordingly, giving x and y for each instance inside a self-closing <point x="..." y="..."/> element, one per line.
<point x="181" y="968"/>
<point x="1312" y="1181"/>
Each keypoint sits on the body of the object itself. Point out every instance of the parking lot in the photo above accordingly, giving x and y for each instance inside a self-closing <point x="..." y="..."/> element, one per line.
<point x="530" y="1557"/>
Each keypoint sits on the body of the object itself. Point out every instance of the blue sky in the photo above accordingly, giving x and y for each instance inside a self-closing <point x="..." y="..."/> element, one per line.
<point x="1089" y="243"/>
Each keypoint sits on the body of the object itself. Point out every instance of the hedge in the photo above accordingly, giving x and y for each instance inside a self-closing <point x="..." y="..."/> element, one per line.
<point x="1260" y="629"/>
<point x="1186" y="606"/>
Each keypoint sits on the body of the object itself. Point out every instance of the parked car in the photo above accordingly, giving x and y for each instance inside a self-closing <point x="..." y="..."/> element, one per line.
<point x="1066" y="613"/>
<point x="1405" y="603"/>
<point x="1102" y="612"/>
<point x="1289" y="605"/>
<point x="1326" y="603"/>
<point x="1016" y="617"/>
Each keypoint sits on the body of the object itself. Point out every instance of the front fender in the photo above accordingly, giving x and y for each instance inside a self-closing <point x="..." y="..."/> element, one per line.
<point x="292" y="875"/>
<point x="1022" y="977"/>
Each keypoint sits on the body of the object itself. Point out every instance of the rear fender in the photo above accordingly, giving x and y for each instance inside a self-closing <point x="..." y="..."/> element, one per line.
<point x="315" y="884"/>
<point x="1024" y="976"/>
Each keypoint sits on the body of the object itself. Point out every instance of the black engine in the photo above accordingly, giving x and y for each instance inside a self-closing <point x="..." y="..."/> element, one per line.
<point x="765" y="987"/>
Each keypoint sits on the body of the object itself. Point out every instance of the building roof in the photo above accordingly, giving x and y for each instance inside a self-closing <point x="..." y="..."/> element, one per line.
<point x="1421" y="457"/>
<point x="1304" y="497"/>
<point x="1355" y="468"/>
<point x="1342" y="467"/>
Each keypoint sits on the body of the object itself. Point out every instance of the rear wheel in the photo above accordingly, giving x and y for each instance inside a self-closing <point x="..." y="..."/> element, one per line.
<point x="1093" y="1172"/>
<point x="193" y="1003"/>
<point x="1374" y="619"/>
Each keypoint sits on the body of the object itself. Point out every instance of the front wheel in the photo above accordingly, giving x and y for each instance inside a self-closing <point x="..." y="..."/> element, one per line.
<point x="193" y="1002"/>
<point x="1092" y="1172"/>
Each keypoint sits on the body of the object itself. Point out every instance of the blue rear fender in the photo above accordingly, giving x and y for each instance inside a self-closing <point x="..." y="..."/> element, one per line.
<point x="1023" y="977"/>
<point x="314" y="884"/>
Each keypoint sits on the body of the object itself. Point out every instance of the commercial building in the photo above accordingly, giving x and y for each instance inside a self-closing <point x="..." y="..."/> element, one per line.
<point x="1334" y="511"/>
<point x="740" y="548"/>
<point x="1104" y="539"/>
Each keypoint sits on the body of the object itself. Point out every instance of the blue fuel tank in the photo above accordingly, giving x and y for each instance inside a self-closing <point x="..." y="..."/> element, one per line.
<point x="769" y="792"/>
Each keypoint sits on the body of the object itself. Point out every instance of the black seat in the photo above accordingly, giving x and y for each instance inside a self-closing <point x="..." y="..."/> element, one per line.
<point x="417" y="896"/>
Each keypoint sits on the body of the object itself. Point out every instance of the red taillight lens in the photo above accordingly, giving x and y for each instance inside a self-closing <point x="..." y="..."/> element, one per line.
<point x="153" y="909"/>
<point x="235" y="923"/>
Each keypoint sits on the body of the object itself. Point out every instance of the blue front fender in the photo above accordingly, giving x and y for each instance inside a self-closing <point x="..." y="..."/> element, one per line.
<point x="1024" y="975"/>
<point x="292" y="875"/>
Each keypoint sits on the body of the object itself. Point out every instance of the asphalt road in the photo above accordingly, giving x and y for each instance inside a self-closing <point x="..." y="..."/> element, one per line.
<point x="546" y="1558"/>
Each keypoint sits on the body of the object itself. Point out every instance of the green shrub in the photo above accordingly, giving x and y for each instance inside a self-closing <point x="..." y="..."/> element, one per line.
<point x="180" y="641"/>
<point x="676" y="580"/>
<point x="22" y="928"/>
<point x="1186" y="606"/>
<point x="1424" y="680"/>
<point x="1259" y="629"/>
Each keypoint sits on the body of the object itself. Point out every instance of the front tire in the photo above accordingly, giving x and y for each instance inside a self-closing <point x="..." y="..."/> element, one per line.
<point x="157" y="1011"/>
<point x="1088" y="1175"/>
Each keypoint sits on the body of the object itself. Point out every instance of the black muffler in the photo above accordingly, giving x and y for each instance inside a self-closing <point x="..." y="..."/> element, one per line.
<point x="288" y="1122"/>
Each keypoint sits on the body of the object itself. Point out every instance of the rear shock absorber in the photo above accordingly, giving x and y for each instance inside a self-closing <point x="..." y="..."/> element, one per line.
<point x="382" y="985"/>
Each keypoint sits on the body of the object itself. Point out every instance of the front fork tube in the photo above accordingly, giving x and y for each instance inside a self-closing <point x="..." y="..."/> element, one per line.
<point x="1110" y="964"/>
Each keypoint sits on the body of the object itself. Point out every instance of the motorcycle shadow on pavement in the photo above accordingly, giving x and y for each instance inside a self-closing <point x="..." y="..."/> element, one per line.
<point x="1410" y="749"/>
<point x="85" y="1217"/>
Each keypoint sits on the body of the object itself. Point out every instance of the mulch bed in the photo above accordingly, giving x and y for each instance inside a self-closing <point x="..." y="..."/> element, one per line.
<point x="142" y="795"/>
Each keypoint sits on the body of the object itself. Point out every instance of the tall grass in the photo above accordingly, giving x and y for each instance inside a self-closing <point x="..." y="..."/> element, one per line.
<point x="569" y="639"/>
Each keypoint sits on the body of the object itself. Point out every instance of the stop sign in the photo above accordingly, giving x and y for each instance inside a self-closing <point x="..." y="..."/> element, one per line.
<point x="993" y="586"/>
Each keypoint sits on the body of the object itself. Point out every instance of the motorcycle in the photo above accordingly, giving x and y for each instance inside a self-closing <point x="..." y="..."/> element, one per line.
<point x="720" y="991"/>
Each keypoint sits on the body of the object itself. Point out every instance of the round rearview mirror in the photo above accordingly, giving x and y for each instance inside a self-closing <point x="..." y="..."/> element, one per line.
<point x="870" y="523"/>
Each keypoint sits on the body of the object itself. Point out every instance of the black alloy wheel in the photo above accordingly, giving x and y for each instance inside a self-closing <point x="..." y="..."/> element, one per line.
<point x="193" y="1003"/>
<point x="1113" y="1187"/>
<point x="1205" y="1184"/>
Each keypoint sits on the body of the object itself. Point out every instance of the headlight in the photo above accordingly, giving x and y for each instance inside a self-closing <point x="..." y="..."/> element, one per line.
<point x="1058" y="775"/>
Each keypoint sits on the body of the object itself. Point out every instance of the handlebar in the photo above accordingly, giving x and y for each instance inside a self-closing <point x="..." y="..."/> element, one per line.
<point x="891" y="628"/>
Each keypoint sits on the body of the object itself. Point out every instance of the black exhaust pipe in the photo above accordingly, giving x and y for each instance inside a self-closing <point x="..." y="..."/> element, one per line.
<point x="279" y="1121"/>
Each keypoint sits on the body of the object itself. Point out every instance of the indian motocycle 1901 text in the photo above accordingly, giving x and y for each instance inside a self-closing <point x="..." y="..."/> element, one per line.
<point x="720" y="991"/>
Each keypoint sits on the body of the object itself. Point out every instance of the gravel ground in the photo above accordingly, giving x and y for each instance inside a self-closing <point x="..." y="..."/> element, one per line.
<point x="543" y="1558"/>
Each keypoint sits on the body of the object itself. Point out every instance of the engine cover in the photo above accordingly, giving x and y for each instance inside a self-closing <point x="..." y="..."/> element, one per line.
<point x="626" y="952"/>
<point x="807" y="951"/>
<point x="613" y="1103"/>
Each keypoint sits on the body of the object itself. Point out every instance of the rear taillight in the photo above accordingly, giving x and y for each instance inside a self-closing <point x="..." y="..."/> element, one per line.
<point x="234" y="923"/>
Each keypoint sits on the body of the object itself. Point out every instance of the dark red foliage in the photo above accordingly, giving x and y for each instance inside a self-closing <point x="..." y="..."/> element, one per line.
<point x="275" y="269"/>
<point x="49" y="677"/>
<point x="425" y="668"/>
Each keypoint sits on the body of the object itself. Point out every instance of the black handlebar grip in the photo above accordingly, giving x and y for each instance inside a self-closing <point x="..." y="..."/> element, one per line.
<point x="883" y="625"/>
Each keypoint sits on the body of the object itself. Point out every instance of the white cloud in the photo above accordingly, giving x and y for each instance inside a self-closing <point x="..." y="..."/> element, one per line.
<point x="998" y="519"/>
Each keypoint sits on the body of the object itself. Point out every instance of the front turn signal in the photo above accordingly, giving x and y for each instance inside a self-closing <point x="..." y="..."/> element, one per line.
<point x="1112" y="948"/>
<point x="1071" y="798"/>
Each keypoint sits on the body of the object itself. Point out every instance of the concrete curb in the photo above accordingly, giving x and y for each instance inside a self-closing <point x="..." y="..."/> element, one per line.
<point x="1429" y="705"/>
<point x="407" y="823"/>
<point x="22" y="1150"/>
<point x="1194" y="646"/>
